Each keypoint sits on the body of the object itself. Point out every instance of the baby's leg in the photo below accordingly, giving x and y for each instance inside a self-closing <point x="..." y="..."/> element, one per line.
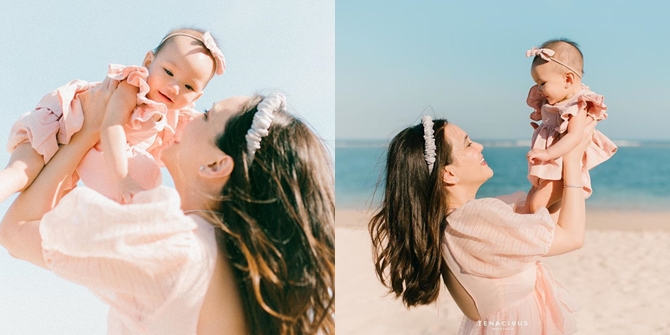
<point x="548" y="193"/>
<point x="24" y="166"/>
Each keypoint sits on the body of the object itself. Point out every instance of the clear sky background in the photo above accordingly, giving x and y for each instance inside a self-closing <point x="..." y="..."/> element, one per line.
<point x="287" y="46"/>
<point x="465" y="60"/>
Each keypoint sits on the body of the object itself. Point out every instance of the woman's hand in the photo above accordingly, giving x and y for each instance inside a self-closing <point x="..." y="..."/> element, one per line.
<point x="94" y="104"/>
<point x="576" y="154"/>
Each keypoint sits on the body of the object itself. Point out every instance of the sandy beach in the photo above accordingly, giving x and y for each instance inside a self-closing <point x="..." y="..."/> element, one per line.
<point x="620" y="280"/>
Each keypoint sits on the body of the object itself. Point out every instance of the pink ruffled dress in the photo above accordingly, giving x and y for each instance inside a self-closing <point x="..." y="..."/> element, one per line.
<point x="59" y="115"/>
<point x="495" y="253"/>
<point x="147" y="260"/>
<point x="555" y="124"/>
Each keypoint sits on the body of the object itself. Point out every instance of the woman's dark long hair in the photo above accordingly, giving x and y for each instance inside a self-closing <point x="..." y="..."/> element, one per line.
<point x="407" y="230"/>
<point x="277" y="225"/>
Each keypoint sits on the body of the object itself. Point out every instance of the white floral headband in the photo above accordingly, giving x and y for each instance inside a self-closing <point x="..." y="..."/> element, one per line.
<point x="209" y="43"/>
<point x="429" y="138"/>
<point x="548" y="55"/>
<point x="260" y="126"/>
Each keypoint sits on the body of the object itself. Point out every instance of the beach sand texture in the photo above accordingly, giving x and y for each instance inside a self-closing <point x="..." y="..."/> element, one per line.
<point x="620" y="280"/>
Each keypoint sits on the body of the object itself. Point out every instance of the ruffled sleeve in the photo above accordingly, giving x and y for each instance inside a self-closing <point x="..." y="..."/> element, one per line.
<point x="488" y="239"/>
<point x="593" y="103"/>
<point x="121" y="252"/>
<point x="57" y="117"/>
<point x="146" y="108"/>
<point x="534" y="100"/>
<point x="586" y="100"/>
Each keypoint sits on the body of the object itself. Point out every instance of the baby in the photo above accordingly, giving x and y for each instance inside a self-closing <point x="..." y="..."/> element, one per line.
<point x="562" y="103"/>
<point x="160" y="97"/>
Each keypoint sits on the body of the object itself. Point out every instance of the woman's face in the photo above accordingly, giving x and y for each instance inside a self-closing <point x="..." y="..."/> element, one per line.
<point x="469" y="166"/>
<point x="197" y="147"/>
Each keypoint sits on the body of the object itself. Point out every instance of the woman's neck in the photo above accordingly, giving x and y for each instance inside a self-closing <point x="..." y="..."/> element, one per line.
<point x="193" y="199"/>
<point x="459" y="195"/>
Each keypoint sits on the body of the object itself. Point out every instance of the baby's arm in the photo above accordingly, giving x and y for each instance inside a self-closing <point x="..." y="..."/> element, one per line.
<point x="113" y="139"/>
<point x="568" y="142"/>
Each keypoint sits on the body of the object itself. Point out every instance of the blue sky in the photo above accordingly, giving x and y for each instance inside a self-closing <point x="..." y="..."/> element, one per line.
<point x="268" y="46"/>
<point x="287" y="46"/>
<point x="465" y="60"/>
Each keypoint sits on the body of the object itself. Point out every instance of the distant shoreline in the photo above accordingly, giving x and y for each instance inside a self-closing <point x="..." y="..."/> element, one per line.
<point x="499" y="143"/>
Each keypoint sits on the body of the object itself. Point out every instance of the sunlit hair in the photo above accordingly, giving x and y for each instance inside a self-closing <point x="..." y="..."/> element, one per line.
<point x="567" y="52"/>
<point x="277" y="225"/>
<point x="197" y="32"/>
<point x="407" y="230"/>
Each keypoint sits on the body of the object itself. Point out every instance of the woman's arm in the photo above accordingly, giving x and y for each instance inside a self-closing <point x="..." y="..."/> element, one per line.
<point x="570" y="140"/>
<point x="569" y="232"/>
<point x="19" y="229"/>
<point x="567" y="143"/>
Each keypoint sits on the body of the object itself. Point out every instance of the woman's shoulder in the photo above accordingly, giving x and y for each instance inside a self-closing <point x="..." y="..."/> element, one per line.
<point x="488" y="238"/>
<point x="496" y="213"/>
<point x="86" y="215"/>
<point x="485" y="205"/>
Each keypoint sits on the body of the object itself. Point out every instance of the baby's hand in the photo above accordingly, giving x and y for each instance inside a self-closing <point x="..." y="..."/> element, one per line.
<point x="538" y="156"/>
<point x="128" y="188"/>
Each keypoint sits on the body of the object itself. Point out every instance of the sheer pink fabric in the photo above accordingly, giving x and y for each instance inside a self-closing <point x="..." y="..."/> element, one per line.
<point x="151" y="263"/>
<point x="58" y="116"/>
<point x="495" y="254"/>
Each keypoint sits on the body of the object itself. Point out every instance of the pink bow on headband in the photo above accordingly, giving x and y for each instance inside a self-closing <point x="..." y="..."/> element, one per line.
<point x="210" y="44"/>
<point x="548" y="55"/>
<point x="545" y="54"/>
<point x="216" y="52"/>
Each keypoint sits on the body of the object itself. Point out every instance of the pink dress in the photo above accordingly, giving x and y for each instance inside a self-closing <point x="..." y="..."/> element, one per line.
<point x="495" y="253"/>
<point x="59" y="115"/>
<point x="151" y="263"/>
<point x="555" y="124"/>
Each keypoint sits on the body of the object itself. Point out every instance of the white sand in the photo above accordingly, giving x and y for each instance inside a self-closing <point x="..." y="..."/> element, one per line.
<point x="620" y="279"/>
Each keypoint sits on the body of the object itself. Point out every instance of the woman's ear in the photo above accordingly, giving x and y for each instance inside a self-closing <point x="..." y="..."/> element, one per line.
<point x="148" y="59"/>
<point x="221" y="167"/>
<point x="448" y="177"/>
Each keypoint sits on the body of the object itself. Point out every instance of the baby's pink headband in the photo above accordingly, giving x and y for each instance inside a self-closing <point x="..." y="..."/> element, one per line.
<point x="547" y="54"/>
<point x="209" y="43"/>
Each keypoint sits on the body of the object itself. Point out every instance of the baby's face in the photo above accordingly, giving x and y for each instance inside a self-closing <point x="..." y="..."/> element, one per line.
<point x="179" y="73"/>
<point x="552" y="85"/>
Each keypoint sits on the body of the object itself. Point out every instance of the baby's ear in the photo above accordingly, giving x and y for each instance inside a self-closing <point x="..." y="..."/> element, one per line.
<point x="148" y="59"/>
<point x="570" y="79"/>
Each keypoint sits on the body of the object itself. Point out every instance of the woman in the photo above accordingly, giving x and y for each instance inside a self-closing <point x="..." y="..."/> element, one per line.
<point x="249" y="250"/>
<point x="430" y="226"/>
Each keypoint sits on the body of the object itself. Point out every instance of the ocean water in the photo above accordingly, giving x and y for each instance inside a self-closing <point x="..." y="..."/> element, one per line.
<point x="637" y="177"/>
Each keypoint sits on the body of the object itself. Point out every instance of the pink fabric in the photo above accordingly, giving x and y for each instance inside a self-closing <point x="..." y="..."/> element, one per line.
<point x="495" y="253"/>
<point x="548" y="55"/>
<point x="555" y="124"/>
<point x="53" y="121"/>
<point x="59" y="115"/>
<point x="151" y="263"/>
